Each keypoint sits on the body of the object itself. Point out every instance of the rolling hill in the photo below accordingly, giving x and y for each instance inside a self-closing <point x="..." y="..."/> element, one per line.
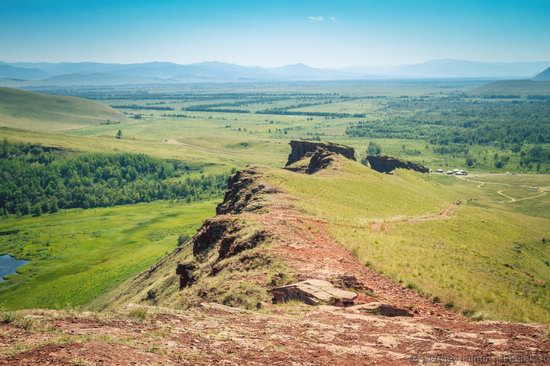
<point x="544" y="75"/>
<point x="453" y="68"/>
<point x="514" y="87"/>
<point x="14" y="72"/>
<point x="91" y="73"/>
<point x="34" y="111"/>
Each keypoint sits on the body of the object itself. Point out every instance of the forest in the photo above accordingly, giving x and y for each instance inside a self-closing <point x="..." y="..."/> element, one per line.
<point x="455" y="124"/>
<point x="461" y="121"/>
<point x="37" y="179"/>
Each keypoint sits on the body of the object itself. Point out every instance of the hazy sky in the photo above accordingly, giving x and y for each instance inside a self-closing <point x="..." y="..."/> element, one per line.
<point x="271" y="33"/>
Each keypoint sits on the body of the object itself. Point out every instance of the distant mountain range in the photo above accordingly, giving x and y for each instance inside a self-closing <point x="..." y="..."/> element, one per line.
<point x="93" y="73"/>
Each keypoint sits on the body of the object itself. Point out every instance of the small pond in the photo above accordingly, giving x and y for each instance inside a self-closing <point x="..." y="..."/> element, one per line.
<point x="9" y="264"/>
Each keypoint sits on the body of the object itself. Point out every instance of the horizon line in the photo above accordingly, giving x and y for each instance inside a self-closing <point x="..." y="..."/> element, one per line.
<point x="274" y="67"/>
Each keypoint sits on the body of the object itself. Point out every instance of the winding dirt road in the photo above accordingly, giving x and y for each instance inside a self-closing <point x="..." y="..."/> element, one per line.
<point x="480" y="184"/>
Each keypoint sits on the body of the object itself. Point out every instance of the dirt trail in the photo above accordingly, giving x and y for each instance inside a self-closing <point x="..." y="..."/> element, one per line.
<point x="384" y="225"/>
<point x="304" y="242"/>
<point x="511" y="199"/>
<point x="530" y="198"/>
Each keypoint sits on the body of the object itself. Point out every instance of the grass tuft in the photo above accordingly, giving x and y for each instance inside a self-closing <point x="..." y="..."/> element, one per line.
<point x="139" y="314"/>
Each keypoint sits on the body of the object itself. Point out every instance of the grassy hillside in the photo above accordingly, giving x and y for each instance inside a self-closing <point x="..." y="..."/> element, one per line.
<point x="34" y="111"/>
<point x="514" y="87"/>
<point x="77" y="255"/>
<point x="487" y="257"/>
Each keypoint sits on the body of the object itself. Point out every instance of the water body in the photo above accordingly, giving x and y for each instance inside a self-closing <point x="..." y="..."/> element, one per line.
<point x="9" y="264"/>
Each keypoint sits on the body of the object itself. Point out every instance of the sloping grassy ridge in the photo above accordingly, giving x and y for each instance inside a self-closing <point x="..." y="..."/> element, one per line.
<point x="487" y="259"/>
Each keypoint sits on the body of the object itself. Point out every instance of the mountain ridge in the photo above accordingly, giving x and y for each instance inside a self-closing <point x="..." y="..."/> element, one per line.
<point x="51" y="73"/>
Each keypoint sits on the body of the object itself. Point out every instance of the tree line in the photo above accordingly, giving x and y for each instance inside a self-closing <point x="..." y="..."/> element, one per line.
<point x="37" y="179"/>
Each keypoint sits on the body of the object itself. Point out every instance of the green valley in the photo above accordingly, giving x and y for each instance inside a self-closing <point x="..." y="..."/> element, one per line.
<point x="76" y="255"/>
<point x="486" y="260"/>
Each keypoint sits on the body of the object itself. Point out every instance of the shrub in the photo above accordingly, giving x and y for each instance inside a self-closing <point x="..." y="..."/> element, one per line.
<point x="138" y="314"/>
<point x="16" y="319"/>
<point x="182" y="238"/>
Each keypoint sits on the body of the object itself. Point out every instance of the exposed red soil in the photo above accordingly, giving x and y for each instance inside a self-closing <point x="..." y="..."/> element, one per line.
<point x="304" y="243"/>
<point x="278" y="335"/>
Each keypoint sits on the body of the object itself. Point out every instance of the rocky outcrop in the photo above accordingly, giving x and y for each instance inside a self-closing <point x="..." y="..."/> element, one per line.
<point x="185" y="272"/>
<point x="314" y="292"/>
<point x="321" y="159"/>
<point x="304" y="148"/>
<point x="378" y="308"/>
<point x="224" y="237"/>
<point x="386" y="164"/>
<point x="243" y="193"/>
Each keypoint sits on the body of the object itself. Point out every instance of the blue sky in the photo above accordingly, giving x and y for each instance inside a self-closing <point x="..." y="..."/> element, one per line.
<point x="272" y="33"/>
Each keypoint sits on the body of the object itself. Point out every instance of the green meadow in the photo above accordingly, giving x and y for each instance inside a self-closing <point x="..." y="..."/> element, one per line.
<point x="76" y="255"/>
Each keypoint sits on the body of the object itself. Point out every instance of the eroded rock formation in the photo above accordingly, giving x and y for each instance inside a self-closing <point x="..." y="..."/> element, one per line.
<point x="314" y="292"/>
<point x="386" y="164"/>
<point x="225" y="236"/>
<point x="304" y="148"/>
<point x="320" y="159"/>
<point x="185" y="272"/>
<point x="244" y="193"/>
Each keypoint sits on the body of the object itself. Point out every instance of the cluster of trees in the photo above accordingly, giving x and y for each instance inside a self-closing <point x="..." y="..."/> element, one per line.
<point x="140" y="107"/>
<point x="455" y="124"/>
<point x="457" y="120"/>
<point x="374" y="148"/>
<point x="219" y="107"/>
<point x="36" y="179"/>
<point x="269" y="98"/>
<point x="452" y="149"/>
<point x="287" y="112"/>
<point x="534" y="157"/>
<point x="177" y="115"/>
